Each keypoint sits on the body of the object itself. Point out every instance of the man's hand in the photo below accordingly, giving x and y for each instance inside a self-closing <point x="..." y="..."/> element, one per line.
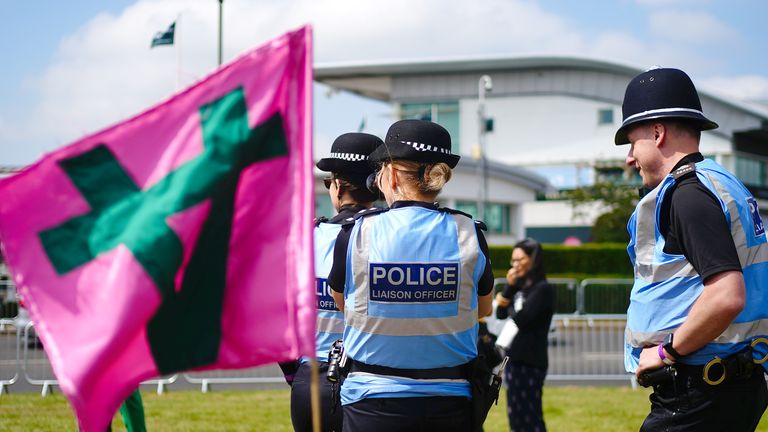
<point x="649" y="360"/>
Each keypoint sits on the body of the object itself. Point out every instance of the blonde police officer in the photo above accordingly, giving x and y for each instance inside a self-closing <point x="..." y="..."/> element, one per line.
<point x="412" y="281"/>
<point x="349" y="168"/>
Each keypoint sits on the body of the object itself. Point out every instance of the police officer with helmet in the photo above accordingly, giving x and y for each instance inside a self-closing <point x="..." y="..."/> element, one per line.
<point x="412" y="281"/>
<point x="698" y="315"/>
<point x="349" y="168"/>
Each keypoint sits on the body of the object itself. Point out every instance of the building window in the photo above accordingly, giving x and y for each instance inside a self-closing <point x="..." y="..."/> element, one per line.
<point x="323" y="206"/>
<point x="751" y="171"/>
<point x="496" y="215"/>
<point x="446" y="114"/>
<point x="605" y="116"/>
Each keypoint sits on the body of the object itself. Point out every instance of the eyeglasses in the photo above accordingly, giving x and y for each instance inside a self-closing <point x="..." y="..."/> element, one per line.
<point x="517" y="260"/>
<point x="328" y="181"/>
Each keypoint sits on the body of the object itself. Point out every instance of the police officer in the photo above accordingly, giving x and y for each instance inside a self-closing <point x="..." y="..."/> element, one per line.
<point x="696" y="323"/>
<point x="412" y="281"/>
<point x="349" y="168"/>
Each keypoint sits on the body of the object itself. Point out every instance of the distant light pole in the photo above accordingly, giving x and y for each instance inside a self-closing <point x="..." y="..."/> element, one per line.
<point x="484" y="85"/>
<point x="221" y="6"/>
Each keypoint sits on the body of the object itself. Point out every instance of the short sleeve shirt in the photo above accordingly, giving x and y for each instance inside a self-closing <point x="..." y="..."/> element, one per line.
<point x="693" y="224"/>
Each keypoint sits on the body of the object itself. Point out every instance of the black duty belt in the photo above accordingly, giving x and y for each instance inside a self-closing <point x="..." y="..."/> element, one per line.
<point x="718" y="371"/>
<point x="739" y="366"/>
<point x="455" y="372"/>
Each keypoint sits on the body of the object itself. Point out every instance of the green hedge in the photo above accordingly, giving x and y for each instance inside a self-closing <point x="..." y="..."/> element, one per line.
<point x="588" y="260"/>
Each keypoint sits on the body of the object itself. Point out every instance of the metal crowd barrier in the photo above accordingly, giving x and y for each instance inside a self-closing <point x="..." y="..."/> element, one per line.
<point x="269" y="374"/>
<point x="587" y="348"/>
<point x="585" y="344"/>
<point x="37" y="368"/>
<point x="9" y="354"/>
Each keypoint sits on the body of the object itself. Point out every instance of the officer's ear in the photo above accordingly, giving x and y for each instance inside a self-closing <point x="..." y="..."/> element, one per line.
<point x="659" y="131"/>
<point x="391" y="176"/>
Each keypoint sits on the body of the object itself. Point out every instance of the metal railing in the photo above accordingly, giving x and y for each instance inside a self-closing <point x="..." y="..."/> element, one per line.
<point x="586" y="344"/>
<point x="257" y="375"/>
<point x="9" y="354"/>
<point x="587" y="348"/>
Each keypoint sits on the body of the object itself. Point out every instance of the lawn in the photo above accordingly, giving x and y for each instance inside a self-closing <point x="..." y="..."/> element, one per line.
<point x="565" y="409"/>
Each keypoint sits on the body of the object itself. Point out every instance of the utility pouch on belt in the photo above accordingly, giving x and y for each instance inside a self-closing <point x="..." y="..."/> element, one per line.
<point x="485" y="389"/>
<point x="657" y="376"/>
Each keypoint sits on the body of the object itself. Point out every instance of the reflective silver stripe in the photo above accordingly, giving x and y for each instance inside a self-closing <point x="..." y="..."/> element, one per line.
<point x="747" y="256"/>
<point x="357" y="315"/>
<point x="736" y="332"/>
<point x="660" y="111"/>
<point x="330" y="325"/>
<point x="360" y="271"/>
<point x="469" y="250"/>
<point x="645" y="232"/>
<point x="645" y="266"/>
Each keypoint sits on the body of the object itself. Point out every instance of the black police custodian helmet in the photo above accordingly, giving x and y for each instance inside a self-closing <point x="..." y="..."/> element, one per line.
<point x="416" y="140"/>
<point x="350" y="155"/>
<point x="661" y="93"/>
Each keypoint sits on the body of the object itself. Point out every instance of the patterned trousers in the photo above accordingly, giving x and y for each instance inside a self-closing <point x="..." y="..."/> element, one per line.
<point x="524" y="389"/>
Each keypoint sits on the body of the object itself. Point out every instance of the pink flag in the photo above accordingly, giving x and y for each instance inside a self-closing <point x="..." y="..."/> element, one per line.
<point x="179" y="239"/>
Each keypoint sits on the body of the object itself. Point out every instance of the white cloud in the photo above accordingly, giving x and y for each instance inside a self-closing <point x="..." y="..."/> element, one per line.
<point x="656" y="3"/>
<point x="692" y="27"/>
<point x="105" y="71"/>
<point x="747" y="87"/>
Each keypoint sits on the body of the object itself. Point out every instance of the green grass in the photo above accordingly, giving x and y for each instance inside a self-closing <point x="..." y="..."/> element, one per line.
<point x="565" y="409"/>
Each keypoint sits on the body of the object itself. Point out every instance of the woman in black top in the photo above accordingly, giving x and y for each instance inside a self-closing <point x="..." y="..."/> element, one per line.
<point x="529" y="300"/>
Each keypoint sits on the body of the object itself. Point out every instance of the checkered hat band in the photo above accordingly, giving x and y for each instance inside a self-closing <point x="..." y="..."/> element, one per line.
<point x="426" y="147"/>
<point x="354" y="157"/>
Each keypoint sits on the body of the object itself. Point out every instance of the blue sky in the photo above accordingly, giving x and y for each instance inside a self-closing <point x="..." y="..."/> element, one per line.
<point x="71" y="68"/>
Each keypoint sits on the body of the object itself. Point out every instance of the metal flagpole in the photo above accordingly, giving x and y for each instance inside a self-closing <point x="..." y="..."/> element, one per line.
<point x="221" y="3"/>
<point x="314" y="390"/>
<point x="177" y="41"/>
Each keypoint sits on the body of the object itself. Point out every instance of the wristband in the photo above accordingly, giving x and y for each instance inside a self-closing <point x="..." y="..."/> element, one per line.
<point x="666" y="360"/>
<point x="668" y="347"/>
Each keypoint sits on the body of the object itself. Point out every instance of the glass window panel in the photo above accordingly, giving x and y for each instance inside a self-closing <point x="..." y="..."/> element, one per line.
<point x="605" y="116"/>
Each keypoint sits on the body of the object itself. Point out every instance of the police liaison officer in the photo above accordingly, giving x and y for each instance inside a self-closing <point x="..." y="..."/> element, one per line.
<point x="696" y="323"/>
<point x="412" y="281"/>
<point x="349" y="168"/>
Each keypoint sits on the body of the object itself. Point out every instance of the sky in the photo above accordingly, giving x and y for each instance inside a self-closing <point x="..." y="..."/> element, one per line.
<point x="71" y="68"/>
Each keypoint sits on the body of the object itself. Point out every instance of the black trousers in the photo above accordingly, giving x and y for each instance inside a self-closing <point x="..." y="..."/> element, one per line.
<point x="414" y="414"/>
<point x="301" y="402"/>
<point x="689" y="404"/>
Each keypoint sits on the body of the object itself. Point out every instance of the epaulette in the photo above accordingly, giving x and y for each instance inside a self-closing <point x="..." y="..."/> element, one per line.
<point x="684" y="170"/>
<point x="368" y="212"/>
<point x="319" y="220"/>
<point x="454" y="211"/>
<point x="480" y="224"/>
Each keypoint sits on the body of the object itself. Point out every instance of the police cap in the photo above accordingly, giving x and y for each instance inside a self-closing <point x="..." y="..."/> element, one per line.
<point x="416" y="140"/>
<point x="350" y="155"/>
<point x="661" y="93"/>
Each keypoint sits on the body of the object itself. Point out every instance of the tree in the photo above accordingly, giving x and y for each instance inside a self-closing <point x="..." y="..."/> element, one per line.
<point x="617" y="201"/>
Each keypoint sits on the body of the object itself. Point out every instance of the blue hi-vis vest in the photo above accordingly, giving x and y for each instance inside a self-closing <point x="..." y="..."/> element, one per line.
<point x="330" y="321"/>
<point x="411" y="300"/>
<point x="666" y="286"/>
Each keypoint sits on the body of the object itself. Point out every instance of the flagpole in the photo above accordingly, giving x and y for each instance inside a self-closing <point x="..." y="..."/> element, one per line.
<point x="314" y="390"/>
<point x="177" y="40"/>
<point x="221" y="3"/>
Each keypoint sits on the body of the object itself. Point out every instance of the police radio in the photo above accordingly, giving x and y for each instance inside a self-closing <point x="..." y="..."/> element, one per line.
<point x="337" y="359"/>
